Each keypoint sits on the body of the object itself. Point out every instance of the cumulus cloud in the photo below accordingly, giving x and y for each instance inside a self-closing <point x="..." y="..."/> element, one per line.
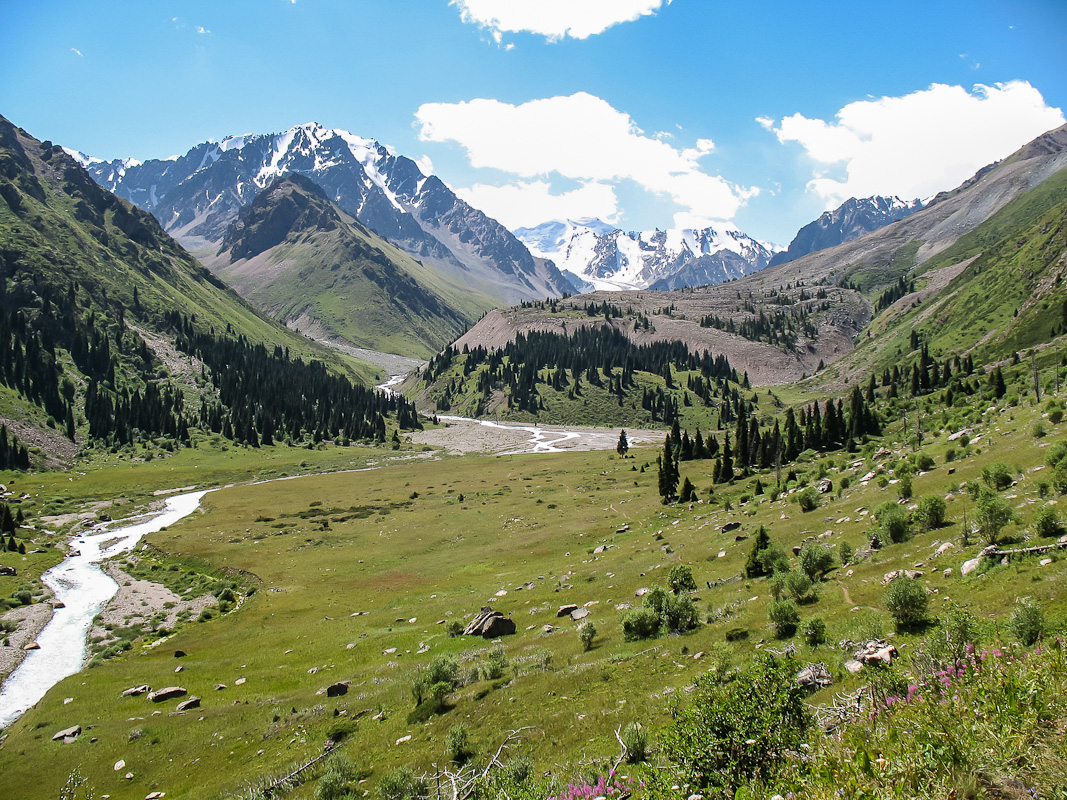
<point x="918" y="144"/>
<point x="529" y="203"/>
<point x="554" y="19"/>
<point x="582" y="138"/>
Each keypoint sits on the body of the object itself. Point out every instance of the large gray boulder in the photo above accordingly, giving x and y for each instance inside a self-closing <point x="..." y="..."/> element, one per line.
<point x="489" y="624"/>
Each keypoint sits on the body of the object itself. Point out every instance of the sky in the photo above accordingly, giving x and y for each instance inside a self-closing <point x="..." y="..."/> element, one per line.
<point x="644" y="113"/>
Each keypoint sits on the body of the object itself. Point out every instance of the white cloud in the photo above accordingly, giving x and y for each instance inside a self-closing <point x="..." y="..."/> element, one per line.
<point x="583" y="138"/>
<point x="554" y="19"/>
<point x="529" y="203"/>
<point x="201" y="29"/>
<point x="76" y="51"/>
<point x="919" y="144"/>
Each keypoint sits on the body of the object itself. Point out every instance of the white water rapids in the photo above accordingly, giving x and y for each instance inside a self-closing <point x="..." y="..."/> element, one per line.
<point x="84" y="589"/>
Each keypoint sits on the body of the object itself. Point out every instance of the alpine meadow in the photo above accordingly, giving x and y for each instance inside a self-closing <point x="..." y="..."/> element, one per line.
<point x="331" y="471"/>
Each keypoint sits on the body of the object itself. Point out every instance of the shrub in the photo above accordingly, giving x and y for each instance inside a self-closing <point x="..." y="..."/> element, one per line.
<point x="458" y="743"/>
<point x="640" y="623"/>
<point x="784" y="617"/>
<point x="681" y="579"/>
<point x="993" y="513"/>
<point x="801" y="588"/>
<point x="931" y="512"/>
<point x="635" y="740"/>
<point x="997" y="476"/>
<point x="926" y="462"/>
<point x="1047" y="522"/>
<point x="814" y="631"/>
<point x="845" y="552"/>
<point x="1055" y="416"/>
<point x="339" y="780"/>
<point x="904" y="487"/>
<point x="586" y="635"/>
<point x="1038" y="431"/>
<point x="401" y="784"/>
<point x="893" y="522"/>
<point x="454" y="628"/>
<point x="729" y="733"/>
<point x="436" y="680"/>
<point x="815" y="560"/>
<point x="495" y="664"/>
<point x="1056" y="454"/>
<point x="808" y="500"/>
<point x="765" y="557"/>
<point x="905" y="599"/>
<point x="1059" y="476"/>
<point x="1027" y="621"/>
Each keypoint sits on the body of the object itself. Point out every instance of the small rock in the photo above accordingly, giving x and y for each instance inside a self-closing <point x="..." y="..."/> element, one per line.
<point x="970" y="566"/>
<point x="168" y="693"/>
<point x="853" y="666"/>
<point x="155" y="796"/>
<point x="179" y="668"/>
<point x="239" y="681"/>
<point x="186" y="705"/>
<point x="219" y="687"/>
<point x="119" y="765"/>
<point x="1045" y="562"/>
<point x="403" y="739"/>
<point x="67" y="733"/>
<point x="579" y="613"/>
<point x="133" y="691"/>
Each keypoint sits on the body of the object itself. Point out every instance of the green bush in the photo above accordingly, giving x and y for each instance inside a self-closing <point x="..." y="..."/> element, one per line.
<point x="401" y="784"/>
<point x="454" y="628"/>
<point x="997" y="476"/>
<point x="904" y="487"/>
<point x="339" y="780"/>
<point x="1027" y="622"/>
<point x="845" y="552"/>
<point x="814" y="631"/>
<point x="808" y="500"/>
<point x="729" y="733"/>
<point x="436" y="680"/>
<point x="1059" y="476"/>
<point x="1056" y="454"/>
<point x="906" y="601"/>
<point x="1047" y="522"/>
<point x="784" y="617"/>
<point x="681" y="579"/>
<point x="495" y="664"/>
<point x="931" y="512"/>
<point x="586" y="635"/>
<point x="993" y="513"/>
<point x="801" y="588"/>
<point x="635" y="740"/>
<point x="458" y="743"/>
<point x="815" y="560"/>
<point x="640" y="623"/>
<point x="926" y="462"/>
<point x="893" y="522"/>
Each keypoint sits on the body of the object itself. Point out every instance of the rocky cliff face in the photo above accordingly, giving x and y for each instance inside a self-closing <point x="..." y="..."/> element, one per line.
<point x="197" y="197"/>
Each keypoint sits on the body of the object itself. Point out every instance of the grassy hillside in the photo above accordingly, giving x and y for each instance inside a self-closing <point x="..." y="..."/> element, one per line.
<point x="359" y="576"/>
<point x="300" y="258"/>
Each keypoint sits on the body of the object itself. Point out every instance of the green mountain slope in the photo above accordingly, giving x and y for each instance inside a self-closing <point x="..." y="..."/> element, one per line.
<point x="110" y="333"/>
<point x="299" y="257"/>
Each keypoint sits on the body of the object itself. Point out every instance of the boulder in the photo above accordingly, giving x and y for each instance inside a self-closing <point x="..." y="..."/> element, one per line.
<point x="564" y="610"/>
<point x="167" y="693"/>
<point x="825" y="486"/>
<point x="186" y="705"/>
<point x="814" y="677"/>
<point x="876" y="651"/>
<point x="337" y="689"/>
<point x="579" y="614"/>
<point x="133" y="691"/>
<point x="731" y="526"/>
<point x="489" y="624"/>
<point x="67" y="733"/>
<point x="970" y="566"/>
<point x="8" y="571"/>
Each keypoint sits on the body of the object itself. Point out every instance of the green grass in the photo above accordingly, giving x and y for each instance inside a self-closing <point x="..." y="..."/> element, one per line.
<point x="393" y="557"/>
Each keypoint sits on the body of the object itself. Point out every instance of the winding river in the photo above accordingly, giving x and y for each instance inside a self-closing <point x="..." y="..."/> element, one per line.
<point x="84" y="589"/>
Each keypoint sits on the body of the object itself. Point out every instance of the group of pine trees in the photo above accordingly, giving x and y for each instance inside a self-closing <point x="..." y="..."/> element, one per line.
<point x="601" y="356"/>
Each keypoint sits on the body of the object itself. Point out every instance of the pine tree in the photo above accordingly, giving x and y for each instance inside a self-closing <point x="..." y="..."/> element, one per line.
<point x="623" y="447"/>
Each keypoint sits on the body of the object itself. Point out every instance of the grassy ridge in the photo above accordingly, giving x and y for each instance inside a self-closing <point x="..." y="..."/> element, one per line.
<point x="399" y="544"/>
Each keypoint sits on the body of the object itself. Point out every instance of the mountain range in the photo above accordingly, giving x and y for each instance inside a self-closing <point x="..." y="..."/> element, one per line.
<point x="603" y="257"/>
<point x="198" y="195"/>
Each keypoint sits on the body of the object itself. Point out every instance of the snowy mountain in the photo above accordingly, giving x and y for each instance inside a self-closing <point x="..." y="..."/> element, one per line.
<point x="851" y="220"/>
<point x="608" y="258"/>
<point x="197" y="196"/>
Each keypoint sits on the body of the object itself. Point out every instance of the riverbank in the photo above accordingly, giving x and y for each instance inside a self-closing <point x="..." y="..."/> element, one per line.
<point x="31" y="620"/>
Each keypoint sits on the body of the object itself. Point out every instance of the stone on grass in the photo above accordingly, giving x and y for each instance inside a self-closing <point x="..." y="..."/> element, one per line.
<point x="68" y="735"/>
<point x="564" y="610"/>
<point x="579" y="613"/>
<point x="167" y="693"/>
<point x="186" y="705"/>
<point x="489" y="624"/>
<point x="337" y="689"/>
<point x="133" y="691"/>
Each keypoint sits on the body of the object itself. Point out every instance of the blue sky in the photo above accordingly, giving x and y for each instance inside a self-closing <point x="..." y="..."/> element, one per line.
<point x="648" y="113"/>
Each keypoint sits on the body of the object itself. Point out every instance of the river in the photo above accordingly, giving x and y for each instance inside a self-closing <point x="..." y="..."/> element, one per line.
<point x="84" y="589"/>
